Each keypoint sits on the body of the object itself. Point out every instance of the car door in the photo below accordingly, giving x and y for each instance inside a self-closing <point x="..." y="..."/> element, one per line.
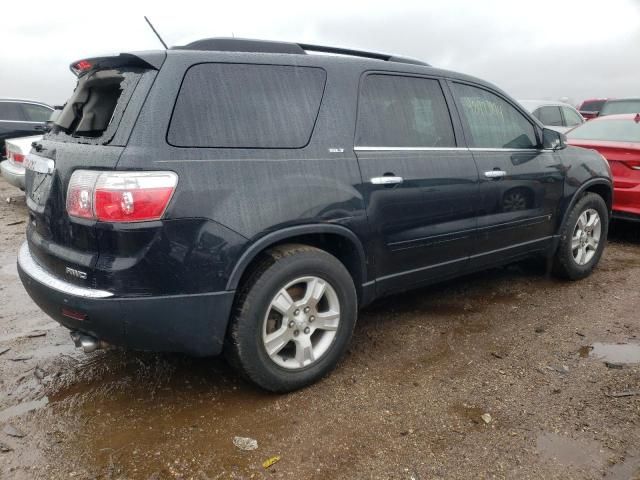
<point x="521" y="184"/>
<point x="419" y="186"/>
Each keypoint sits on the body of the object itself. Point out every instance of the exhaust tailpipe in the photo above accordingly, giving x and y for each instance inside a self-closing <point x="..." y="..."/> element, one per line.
<point x="87" y="342"/>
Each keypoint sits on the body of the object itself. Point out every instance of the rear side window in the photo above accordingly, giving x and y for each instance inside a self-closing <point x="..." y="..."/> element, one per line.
<point x="492" y="121"/>
<point x="397" y="111"/>
<point x="36" y="113"/>
<point x="11" y="111"/>
<point x="549" y="115"/>
<point x="246" y="106"/>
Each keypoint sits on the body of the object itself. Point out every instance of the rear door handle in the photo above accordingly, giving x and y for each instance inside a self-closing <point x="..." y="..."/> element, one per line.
<point x="387" y="180"/>
<point x="495" y="174"/>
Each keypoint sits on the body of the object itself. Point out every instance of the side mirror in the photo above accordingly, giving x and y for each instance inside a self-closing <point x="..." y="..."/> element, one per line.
<point x="552" y="140"/>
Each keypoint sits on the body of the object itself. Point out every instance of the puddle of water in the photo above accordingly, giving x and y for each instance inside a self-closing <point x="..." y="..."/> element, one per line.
<point x="612" y="352"/>
<point x="567" y="451"/>
<point x="21" y="408"/>
<point x="168" y="414"/>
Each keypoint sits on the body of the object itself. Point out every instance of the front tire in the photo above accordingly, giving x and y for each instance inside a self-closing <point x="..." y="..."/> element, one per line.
<point x="582" y="238"/>
<point x="293" y="318"/>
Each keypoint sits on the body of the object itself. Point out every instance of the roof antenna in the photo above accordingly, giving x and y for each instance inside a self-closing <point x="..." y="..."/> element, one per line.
<point x="157" y="34"/>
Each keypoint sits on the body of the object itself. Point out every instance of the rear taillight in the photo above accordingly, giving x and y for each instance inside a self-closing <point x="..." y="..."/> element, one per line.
<point x="120" y="196"/>
<point x="15" y="156"/>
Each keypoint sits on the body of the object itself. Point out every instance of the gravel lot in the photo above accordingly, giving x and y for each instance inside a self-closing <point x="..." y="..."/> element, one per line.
<point x="505" y="374"/>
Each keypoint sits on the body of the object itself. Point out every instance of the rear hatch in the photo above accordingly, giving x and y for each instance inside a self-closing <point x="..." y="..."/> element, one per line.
<point x="90" y="133"/>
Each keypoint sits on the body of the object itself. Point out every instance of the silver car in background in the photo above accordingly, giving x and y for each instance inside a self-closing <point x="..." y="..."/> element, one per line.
<point x="558" y="116"/>
<point x="13" y="167"/>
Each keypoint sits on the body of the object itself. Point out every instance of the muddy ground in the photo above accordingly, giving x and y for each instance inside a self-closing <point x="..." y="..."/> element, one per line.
<point x="406" y="402"/>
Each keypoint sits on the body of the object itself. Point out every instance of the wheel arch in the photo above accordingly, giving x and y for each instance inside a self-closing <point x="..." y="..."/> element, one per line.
<point x="337" y="240"/>
<point x="600" y="186"/>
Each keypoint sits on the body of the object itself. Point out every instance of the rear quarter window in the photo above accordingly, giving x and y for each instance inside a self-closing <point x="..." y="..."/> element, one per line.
<point x="246" y="106"/>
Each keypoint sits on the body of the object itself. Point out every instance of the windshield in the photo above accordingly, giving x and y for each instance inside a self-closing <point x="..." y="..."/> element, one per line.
<point x="621" y="106"/>
<point x="592" y="106"/>
<point x="623" y="130"/>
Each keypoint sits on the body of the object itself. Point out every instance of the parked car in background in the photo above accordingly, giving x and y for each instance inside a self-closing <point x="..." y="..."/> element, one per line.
<point x="247" y="198"/>
<point x="591" y="107"/>
<point x="557" y="116"/>
<point x="17" y="150"/>
<point x="21" y="118"/>
<point x="617" y="138"/>
<point x="619" y="106"/>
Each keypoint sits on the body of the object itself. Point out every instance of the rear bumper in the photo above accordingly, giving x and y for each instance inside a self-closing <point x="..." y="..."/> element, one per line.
<point x="193" y="324"/>
<point x="13" y="174"/>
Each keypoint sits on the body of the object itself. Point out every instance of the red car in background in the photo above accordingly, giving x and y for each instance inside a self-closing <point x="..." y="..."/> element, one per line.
<point x="617" y="138"/>
<point x="591" y="107"/>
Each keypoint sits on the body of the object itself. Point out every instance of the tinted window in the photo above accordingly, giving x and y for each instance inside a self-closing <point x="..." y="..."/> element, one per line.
<point x="395" y="111"/>
<point x="36" y="113"/>
<point x="11" y="111"/>
<point x="620" y="106"/>
<point x="592" y="105"/>
<point x="571" y="117"/>
<point x="492" y="122"/>
<point x="549" y="115"/>
<point x="618" y="130"/>
<point x="246" y="106"/>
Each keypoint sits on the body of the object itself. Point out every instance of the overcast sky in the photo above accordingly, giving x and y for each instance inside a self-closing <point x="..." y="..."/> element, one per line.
<point x="538" y="49"/>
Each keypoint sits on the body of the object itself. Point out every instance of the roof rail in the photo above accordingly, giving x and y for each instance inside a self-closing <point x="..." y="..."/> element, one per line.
<point x="360" y="53"/>
<point x="265" y="46"/>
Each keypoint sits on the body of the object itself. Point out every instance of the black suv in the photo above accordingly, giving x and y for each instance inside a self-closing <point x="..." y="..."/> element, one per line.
<point x="21" y="118"/>
<point x="246" y="197"/>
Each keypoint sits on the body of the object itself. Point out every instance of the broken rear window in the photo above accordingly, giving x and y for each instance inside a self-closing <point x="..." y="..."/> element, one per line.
<point x="92" y="113"/>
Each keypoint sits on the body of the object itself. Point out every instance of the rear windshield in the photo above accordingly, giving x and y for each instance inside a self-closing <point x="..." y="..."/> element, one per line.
<point x="246" y="106"/>
<point x="620" y="106"/>
<point x="592" y="106"/>
<point x="92" y="113"/>
<point x="623" y="130"/>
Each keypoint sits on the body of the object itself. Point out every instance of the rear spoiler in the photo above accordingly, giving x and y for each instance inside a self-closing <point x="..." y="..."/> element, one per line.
<point x="150" y="60"/>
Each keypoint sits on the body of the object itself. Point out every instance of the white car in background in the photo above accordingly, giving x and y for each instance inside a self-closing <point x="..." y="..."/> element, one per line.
<point x="557" y="116"/>
<point x="13" y="167"/>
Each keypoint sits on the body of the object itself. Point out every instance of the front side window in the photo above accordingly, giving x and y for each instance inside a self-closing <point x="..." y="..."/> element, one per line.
<point x="397" y="111"/>
<point x="549" y="115"/>
<point x="493" y="122"/>
<point x="572" y="118"/>
<point x="246" y="106"/>
<point x="36" y="113"/>
<point x="10" y="111"/>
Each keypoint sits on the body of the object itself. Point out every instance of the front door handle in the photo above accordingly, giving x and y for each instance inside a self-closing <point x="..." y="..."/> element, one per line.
<point x="495" y="174"/>
<point x="387" y="180"/>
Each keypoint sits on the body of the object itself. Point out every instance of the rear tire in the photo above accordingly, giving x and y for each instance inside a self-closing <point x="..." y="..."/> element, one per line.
<point x="293" y="318"/>
<point x="582" y="238"/>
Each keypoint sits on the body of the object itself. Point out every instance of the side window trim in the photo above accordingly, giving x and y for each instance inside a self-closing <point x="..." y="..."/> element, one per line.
<point x="466" y="128"/>
<point x="448" y="99"/>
